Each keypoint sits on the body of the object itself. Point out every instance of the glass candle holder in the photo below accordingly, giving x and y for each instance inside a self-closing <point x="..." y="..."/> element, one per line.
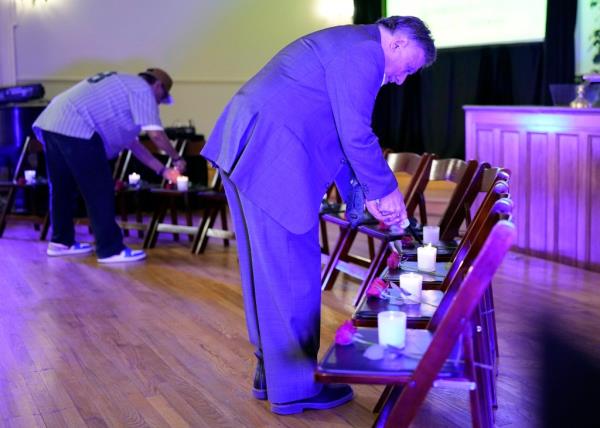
<point x="182" y="183"/>
<point x="426" y="257"/>
<point x="391" y="328"/>
<point x="411" y="284"/>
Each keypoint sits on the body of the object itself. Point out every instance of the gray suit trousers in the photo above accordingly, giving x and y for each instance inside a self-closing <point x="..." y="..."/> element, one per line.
<point x="280" y="273"/>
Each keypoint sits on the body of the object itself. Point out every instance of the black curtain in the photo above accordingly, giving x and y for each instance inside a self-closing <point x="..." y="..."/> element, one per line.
<point x="368" y="11"/>
<point x="426" y="112"/>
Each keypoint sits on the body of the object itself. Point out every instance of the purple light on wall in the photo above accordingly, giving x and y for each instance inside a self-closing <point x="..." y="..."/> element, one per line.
<point x="17" y="131"/>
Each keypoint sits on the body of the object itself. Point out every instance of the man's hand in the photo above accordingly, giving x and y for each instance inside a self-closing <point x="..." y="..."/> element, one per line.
<point x="180" y="165"/>
<point x="390" y="209"/>
<point x="171" y="174"/>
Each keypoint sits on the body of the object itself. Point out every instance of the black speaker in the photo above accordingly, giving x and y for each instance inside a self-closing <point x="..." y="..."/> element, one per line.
<point x="19" y="93"/>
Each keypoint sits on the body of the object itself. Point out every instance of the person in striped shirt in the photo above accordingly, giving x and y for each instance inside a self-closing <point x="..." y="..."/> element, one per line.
<point x="81" y="129"/>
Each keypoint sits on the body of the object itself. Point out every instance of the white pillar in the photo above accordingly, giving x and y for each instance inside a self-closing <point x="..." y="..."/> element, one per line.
<point x="8" y="66"/>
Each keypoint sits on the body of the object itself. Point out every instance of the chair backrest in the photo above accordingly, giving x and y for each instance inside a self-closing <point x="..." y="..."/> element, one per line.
<point x="31" y="146"/>
<point x="489" y="179"/>
<point x="457" y="171"/>
<point x="404" y="162"/>
<point x="417" y="166"/>
<point x="466" y="254"/>
<point x="198" y="169"/>
<point x="487" y="207"/>
<point x="452" y="325"/>
<point x="121" y="165"/>
<point x="125" y="163"/>
<point x="482" y="181"/>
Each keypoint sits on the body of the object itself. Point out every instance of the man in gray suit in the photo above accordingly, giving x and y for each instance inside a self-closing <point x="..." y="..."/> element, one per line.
<point x="303" y="121"/>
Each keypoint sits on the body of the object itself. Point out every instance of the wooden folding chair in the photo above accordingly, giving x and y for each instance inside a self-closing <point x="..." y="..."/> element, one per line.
<point x="456" y="171"/>
<point x="445" y="354"/>
<point x="331" y="204"/>
<point x="132" y="199"/>
<point x="34" y="192"/>
<point x="213" y="204"/>
<point x="483" y="180"/>
<point x="400" y="163"/>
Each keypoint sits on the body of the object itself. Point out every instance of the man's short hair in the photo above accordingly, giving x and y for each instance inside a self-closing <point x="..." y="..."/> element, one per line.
<point x="416" y="29"/>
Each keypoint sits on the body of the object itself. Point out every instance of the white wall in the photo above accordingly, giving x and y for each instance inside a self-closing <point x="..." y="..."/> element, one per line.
<point x="210" y="47"/>
<point x="8" y="75"/>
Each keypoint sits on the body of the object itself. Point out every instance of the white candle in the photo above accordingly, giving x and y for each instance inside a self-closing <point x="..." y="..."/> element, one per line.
<point x="391" y="328"/>
<point x="182" y="183"/>
<point x="426" y="258"/>
<point x="134" y="179"/>
<point x="411" y="283"/>
<point x="431" y="235"/>
<point x="29" y="176"/>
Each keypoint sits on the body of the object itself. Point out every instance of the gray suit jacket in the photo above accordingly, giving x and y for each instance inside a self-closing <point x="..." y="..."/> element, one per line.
<point x="301" y="121"/>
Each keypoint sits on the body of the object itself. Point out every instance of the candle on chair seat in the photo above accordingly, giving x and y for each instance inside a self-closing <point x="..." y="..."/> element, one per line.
<point x="29" y="176"/>
<point x="182" y="183"/>
<point x="431" y="235"/>
<point x="391" y="328"/>
<point x="134" y="179"/>
<point x="411" y="283"/>
<point x="426" y="258"/>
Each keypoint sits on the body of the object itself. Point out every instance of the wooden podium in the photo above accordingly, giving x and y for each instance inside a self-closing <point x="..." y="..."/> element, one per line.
<point x="554" y="155"/>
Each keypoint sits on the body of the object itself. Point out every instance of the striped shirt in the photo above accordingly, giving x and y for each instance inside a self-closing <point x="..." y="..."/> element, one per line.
<point x="116" y="106"/>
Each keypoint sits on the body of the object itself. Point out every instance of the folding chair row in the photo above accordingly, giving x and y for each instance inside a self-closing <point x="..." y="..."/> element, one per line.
<point x="213" y="204"/>
<point x="35" y="192"/>
<point x="465" y="175"/>
<point x="133" y="199"/>
<point x="414" y="165"/>
<point x="38" y="191"/>
<point x="433" y="285"/>
<point x="447" y="250"/>
<point x="434" y="298"/>
<point x="163" y="198"/>
<point x="449" y="353"/>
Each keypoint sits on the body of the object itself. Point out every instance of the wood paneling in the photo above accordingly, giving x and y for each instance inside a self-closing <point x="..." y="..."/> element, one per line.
<point x="554" y="154"/>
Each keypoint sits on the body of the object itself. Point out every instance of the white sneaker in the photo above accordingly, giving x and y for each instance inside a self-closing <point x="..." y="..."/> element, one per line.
<point x="56" y="249"/>
<point x="125" y="256"/>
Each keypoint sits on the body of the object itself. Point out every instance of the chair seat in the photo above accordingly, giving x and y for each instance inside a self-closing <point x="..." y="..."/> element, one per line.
<point x="418" y="314"/>
<point x="336" y="218"/>
<point x="347" y="362"/>
<point x="332" y="208"/>
<point x="175" y="192"/>
<point x="142" y="187"/>
<point x="212" y="195"/>
<point x="445" y="250"/>
<point x="39" y="182"/>
<point x="374" y="231"/>
<point x="430" y="279"/>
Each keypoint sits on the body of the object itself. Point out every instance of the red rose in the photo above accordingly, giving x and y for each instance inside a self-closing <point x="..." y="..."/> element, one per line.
<point x="393" y="261"/>
<point x="407" y="239"/>
<point x="382" y="226"/>
<point x="345" y="333"/>
<point x="376" y="287"/>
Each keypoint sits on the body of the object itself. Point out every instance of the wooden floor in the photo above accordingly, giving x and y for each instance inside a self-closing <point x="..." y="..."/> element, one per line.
<point x="163" y="342"/>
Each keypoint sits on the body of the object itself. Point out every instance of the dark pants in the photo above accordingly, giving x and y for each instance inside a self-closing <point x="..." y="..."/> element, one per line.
<point x="78" y="163"/>
<point x="281" y="284"/>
